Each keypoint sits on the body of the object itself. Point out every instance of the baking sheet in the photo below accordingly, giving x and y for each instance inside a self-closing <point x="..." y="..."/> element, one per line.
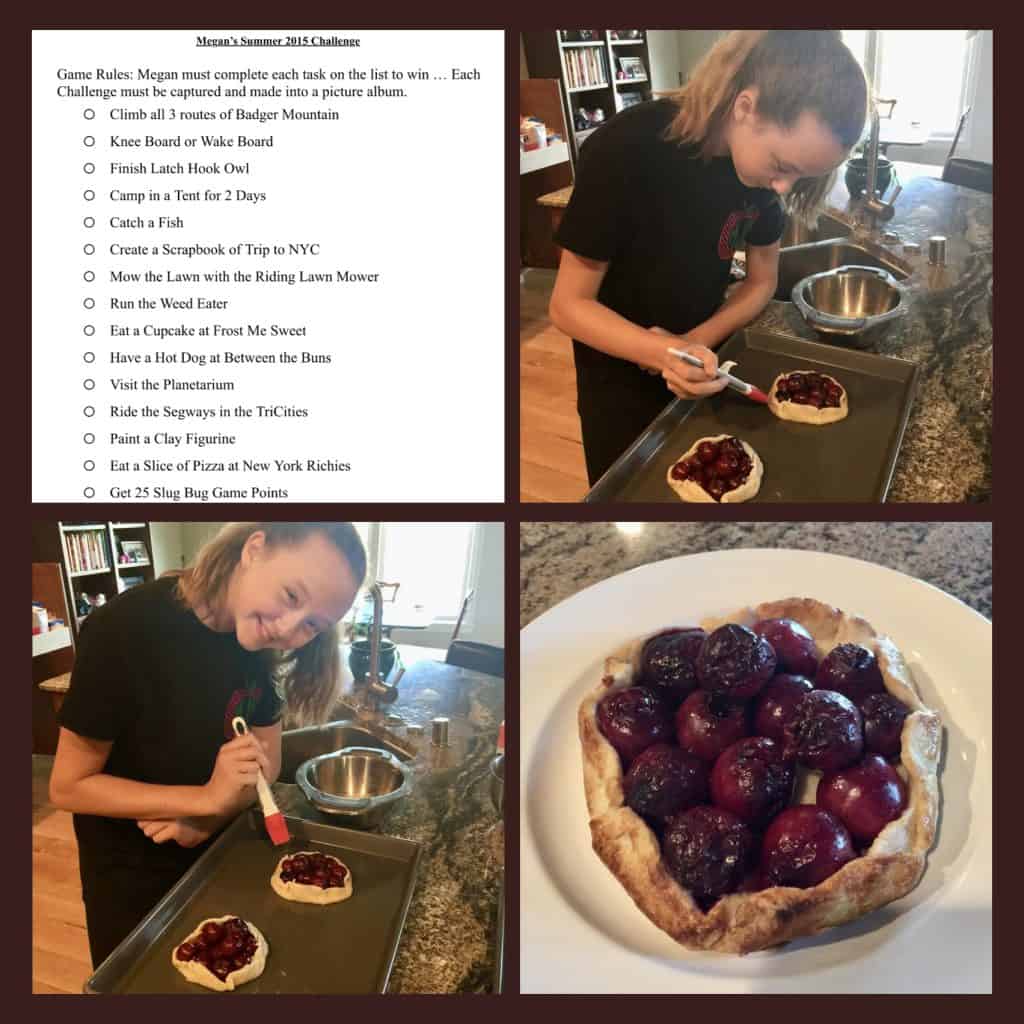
<point x="346" y="947"/>
<point x="852" y="460"/>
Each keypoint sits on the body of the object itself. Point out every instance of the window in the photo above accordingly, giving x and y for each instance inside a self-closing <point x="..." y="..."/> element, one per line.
<point x="926" y="71"/>
<point x="431" y="561"/>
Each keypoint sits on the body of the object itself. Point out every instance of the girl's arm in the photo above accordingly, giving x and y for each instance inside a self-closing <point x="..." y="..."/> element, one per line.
<point x="748" y="299"/>
<point x="574" y="309"/>
<point x="78" y="783"/>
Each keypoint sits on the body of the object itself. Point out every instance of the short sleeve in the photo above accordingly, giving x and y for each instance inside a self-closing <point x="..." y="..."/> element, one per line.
<point x="269" y="705"/>
<point x="101" y="703"/>
<point x="596" y="221"/>
<point x="770" y="223"/>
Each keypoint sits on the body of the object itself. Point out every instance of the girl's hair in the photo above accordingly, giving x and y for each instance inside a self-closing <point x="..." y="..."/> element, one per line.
<point x="793" y="71"/>
<point x="307" y="678"/>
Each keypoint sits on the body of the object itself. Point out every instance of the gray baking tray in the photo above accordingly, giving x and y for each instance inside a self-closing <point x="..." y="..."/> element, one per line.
<point x="346" y="947"/>
<point x="852" y="460"/>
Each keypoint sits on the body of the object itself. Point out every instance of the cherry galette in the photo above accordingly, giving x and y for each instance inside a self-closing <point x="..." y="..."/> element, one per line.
<point x="721" y="468"/>
<point x="312" y="877"/>
<point x="807" y="396"/>
<point x="222" y="953"/>
<point x="765" y="806"/>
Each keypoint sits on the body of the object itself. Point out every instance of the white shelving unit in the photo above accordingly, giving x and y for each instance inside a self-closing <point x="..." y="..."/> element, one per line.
<point x="54" y="640"/>
<point x="538" y="159"/>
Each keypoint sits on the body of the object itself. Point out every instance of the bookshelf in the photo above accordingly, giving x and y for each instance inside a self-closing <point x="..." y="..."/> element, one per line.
<point x="92" y="560"/>
<point x="589" y="70"/>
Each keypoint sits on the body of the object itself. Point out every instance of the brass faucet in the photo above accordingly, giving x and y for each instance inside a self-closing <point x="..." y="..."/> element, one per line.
<point x="874" y="207"/>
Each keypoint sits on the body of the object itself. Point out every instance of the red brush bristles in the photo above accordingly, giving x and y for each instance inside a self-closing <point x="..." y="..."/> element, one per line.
<point x="277" y="829"/>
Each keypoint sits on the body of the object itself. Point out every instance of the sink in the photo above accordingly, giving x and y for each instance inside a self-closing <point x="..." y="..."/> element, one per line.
<point x="801" y="261"/>
<point x="828" y="227"/>
<point x="298" y="745"/>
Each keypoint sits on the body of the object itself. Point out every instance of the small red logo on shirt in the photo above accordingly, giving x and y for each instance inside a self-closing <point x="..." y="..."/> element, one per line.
<point x="241" y="702"/>
<point x="735" y="231"/>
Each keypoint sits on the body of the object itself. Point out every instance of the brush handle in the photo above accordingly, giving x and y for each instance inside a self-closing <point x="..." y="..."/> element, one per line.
<point x="262" y="789"/>
<point x="734" y="382"/>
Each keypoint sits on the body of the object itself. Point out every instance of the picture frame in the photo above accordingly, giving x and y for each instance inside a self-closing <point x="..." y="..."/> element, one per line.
<point x="631" y="99"/>
<point x="632" y="67"/>
<point x="135" y="550"/>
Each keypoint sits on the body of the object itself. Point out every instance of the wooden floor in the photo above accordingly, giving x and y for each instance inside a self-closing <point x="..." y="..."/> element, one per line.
<point x="550" y="448"/>
<point x="60" y="945"/>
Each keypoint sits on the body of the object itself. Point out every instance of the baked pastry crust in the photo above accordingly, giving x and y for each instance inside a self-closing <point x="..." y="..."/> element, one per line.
<point x="199" y="974"/>
<point x="302" y="893"/>
<point x="689" y="491"/>
<point x="745" y="922"/>
<point x="808" y="413"/>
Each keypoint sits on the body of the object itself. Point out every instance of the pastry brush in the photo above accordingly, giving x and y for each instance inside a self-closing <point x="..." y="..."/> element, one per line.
<point x="733" y="382"/>
<point x="272" y="817"/>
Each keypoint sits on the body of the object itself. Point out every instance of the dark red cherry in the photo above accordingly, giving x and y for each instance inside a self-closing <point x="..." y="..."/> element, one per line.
<point x="851" y="670"/>
<point x="884" y="716"/>
<point x="776" y="704"/>
<point x="865" y="797"/>
<point x="716" y="488"/>
<point x="795" y="650"/>
<point x="667" y="663"/>
<point x="753" y="780"/>
<point x="212" y="933"/>
<point x="707" y="451"/>
<point x="707" y="723"/>
<point x="633" y="719"/>
<point x="186" y="951"/>
<point x="222" y="968"/>
<point x="709" y="851"/>
<point x="824" y="732"/>
<point x="735" y="662"/>
<point x="664" y="780"/>
<point x="803" y="846"/>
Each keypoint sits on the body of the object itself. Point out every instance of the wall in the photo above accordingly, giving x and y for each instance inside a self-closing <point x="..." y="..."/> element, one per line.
<point x="168" y="547"/>
<point x="675" y="53"/>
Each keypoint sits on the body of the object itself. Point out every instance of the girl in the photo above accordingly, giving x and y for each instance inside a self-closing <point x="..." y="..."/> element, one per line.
<point x="147" y="759"/>
<point x="666" y="191"/>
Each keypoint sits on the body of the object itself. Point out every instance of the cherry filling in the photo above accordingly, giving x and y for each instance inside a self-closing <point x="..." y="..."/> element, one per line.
<point x="221" y="946"/>
<point x="809" y="389"/>
<point x="314" y="869"/>
<point x="667" y="663"/>
<point x="717" y="466"/>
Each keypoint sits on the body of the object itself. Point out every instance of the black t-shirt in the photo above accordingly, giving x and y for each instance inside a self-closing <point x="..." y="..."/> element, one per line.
<point x="666" y="221"/>
<point x="149" y="676"/>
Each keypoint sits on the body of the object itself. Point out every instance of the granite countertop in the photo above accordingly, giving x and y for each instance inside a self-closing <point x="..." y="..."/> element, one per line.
<point x="450" y="933"/>
<point x="946" y="453"/>
<point x="557" y="560"/>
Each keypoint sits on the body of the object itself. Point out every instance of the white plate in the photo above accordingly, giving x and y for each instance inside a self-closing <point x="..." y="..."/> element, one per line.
<point x="580" y="931"/>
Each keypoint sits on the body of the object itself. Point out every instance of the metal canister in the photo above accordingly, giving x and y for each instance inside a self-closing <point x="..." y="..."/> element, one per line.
<point x="937" y="250"/>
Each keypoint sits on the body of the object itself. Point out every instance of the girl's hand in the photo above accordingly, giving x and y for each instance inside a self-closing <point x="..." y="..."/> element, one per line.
<point x="238" y="763"/>
<point x="687" y="381"/>
<point x="184" y="831"/>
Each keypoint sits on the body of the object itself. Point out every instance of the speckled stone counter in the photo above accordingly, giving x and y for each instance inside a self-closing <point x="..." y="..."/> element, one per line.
<point x="557" y="560"/>
<point x="947" y="448"/>
<point x="450" y="934"/>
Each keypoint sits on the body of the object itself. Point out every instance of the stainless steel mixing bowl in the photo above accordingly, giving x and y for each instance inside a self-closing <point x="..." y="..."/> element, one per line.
<point x="359" y="784"/>
<point x="856" y="302"/>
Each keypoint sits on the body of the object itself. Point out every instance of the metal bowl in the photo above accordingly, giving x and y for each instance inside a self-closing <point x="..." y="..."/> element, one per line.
<point x="360" y="784"/>
<point x="854" y="301"/>
<point x="497" y="774"/>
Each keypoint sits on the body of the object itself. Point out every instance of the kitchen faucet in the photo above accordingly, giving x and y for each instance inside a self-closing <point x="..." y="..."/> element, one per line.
<point x="376" y="691"/>
<point x="874" y="207"/>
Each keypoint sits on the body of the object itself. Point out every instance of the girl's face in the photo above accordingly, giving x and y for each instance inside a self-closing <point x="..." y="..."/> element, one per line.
<point x="766" y="155"/>
<point x="281" y="597"/>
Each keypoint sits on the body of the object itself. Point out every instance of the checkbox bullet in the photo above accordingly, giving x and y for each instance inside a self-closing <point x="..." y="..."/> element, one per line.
<point x="89" y="113"/>
<point x="88" y="383"/>
<point x="89" y="194"/>
<point x="90" y="357"/>
<point x="89" y="141"/>
<point x="89" y="410"/>
<point x="88" y="276"/>
<point x="89" y="168"/>
<point x="89" y="465"/>
<point x="88" y="330"/>
<point x="89" y="303"/>
<point x="89" y="222"/>
<point x="88" y="438"/>
<point x="89" y="492"/>
<point x="88" y="248"/>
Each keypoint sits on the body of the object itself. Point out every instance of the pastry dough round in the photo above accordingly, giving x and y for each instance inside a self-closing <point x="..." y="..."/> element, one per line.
<point x="744" y="922"/>
<point x="196" y="971"/>
<point x="808" y="413"/>
<point x="302" y="893"/>
<point x="690" y="491"/>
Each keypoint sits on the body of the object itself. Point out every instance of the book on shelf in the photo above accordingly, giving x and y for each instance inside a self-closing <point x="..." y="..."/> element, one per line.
<point x="86" y="550"/>
<point x="585" y="66"/>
